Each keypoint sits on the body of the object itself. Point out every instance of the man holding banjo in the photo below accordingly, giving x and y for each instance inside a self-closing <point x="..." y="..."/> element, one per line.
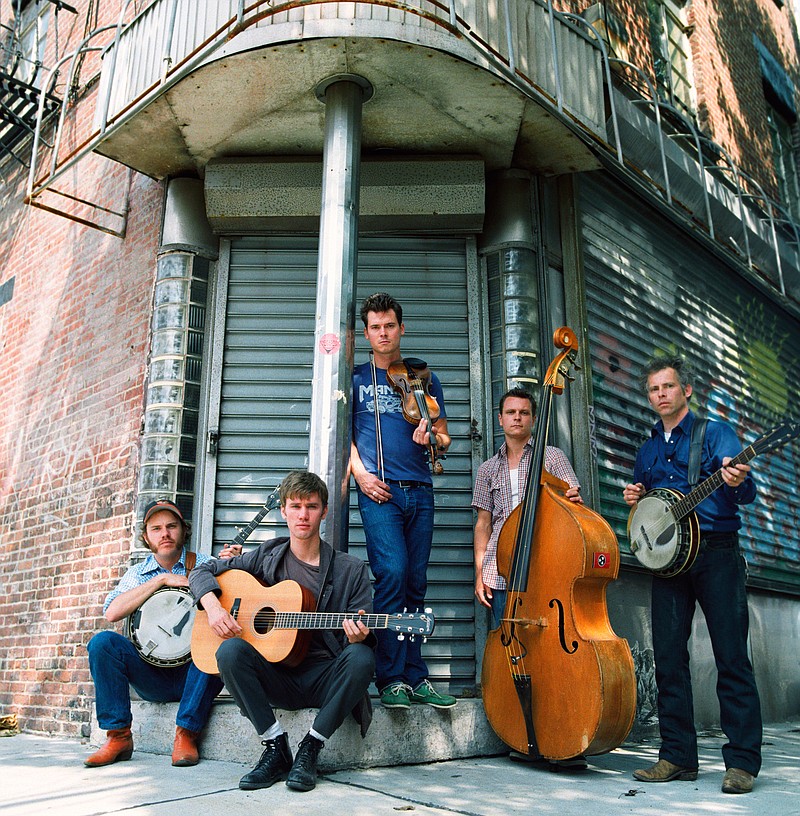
<point x="715" y="579"/>
<point x="117" y="662"/>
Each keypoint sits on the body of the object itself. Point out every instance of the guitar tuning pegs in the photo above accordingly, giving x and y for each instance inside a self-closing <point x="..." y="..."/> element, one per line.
<point x="401" y="636"/>
<point x="428" y="610"/>
<point x="424" y="639"/>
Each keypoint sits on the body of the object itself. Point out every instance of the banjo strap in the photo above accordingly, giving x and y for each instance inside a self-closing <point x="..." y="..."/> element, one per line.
<point x="190" y="561"/>
<point x="696" y="450"/>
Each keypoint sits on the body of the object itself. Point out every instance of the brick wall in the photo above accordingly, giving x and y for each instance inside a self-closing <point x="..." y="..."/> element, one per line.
<point x="73" y="347"/>
<point x="731" y="108"/>
<point x="73" y="355"/>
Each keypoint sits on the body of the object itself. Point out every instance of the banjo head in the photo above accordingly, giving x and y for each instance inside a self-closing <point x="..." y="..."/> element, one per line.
<point x="657" y="538"/>
<point x="161" y="628"/>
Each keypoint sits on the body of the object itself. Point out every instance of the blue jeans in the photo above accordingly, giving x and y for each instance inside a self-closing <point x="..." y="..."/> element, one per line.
<point x="717" y="582"/>
<point x="399" y="535"/>
<point x="498" y="602"/>
<point x="116" y="665"/>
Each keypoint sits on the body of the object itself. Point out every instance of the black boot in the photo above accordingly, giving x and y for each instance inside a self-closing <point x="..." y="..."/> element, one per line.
<point x="303" y="776"/>
<point x="273" y="765"/>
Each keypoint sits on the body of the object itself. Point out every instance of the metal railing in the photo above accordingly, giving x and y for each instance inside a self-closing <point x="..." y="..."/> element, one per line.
<point x="499" y="49"/>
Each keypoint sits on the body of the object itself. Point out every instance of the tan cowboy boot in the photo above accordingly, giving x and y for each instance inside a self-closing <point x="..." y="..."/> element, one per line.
<point x="118" y="747"/>
<point x="184" y="749"/>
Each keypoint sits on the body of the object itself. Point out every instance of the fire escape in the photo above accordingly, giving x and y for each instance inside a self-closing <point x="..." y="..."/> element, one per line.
<point x="22" y="39"/>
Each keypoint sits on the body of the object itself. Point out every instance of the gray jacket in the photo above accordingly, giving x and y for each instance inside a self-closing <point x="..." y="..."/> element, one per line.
<point x="344" y="587"/>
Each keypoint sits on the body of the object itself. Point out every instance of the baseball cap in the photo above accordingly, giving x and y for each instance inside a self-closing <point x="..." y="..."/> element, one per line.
<point x="161" y="504"/>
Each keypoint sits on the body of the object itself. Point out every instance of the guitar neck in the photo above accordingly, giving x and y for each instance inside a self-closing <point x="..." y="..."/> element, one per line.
<point x="326" y="620"/>
<point x="705" y="489"/>
<point x="244" y="534"/>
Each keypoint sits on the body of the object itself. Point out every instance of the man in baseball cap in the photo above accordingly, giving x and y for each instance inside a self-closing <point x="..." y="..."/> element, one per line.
<point x="117" y="665"/>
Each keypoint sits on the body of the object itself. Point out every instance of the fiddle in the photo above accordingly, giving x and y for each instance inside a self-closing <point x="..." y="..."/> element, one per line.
<point x="411" y="378"/>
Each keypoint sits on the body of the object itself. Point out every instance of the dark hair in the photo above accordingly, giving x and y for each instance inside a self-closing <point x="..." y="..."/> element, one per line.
<point x="301" y="484"/>
<point x="519" y="393"/>
<point x="381" y="302"/>
<point x="681" y="367"/>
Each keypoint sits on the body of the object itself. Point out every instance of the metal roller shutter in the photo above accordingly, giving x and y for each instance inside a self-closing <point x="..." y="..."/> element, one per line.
<point x="651" y="289"/>
<point x="265" y="400"/>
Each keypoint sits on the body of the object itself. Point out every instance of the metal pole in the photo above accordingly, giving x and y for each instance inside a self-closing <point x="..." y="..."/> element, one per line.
<point x="330" y="432"/>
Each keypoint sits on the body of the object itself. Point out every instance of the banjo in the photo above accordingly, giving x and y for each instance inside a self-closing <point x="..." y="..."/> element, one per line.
<point x="161" y="628"/>
<point x="663" y="528"/>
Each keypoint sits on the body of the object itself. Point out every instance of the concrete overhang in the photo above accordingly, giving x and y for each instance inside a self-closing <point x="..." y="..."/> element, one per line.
<point x="261" y="102"/>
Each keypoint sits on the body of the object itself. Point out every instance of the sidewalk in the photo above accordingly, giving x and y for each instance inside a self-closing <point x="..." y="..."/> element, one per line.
<point x="41" y="776"/>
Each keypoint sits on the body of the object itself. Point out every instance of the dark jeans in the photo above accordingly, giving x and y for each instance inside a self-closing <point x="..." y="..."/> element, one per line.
<point x="717" y="582"/>
<point x="498" y="603"/>
<point x="115" y="665"/>
<point x="334" y="686"/>
<point x="399" y="535"/>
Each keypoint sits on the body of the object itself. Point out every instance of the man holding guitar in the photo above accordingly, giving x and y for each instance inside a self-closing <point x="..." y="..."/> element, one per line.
<point x="116" y="664"/>
<point x="335" y="672"/>
<point x="716" y="581"/>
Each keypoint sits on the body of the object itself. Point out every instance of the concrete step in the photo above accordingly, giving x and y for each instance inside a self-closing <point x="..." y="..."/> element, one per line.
<point x="396" y="737"/>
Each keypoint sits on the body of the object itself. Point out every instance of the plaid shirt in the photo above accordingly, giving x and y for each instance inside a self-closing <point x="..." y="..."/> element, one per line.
<point x="493" y="493"/>
<point x="142" y="572"/>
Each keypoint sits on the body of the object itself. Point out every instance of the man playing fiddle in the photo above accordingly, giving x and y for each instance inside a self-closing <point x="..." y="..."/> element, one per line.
<point x="395" y="497"/>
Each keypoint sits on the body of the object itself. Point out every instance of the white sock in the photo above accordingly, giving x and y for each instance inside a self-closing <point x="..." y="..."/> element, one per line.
<point x="272" y="732"/>
<point x="317" y="735"/>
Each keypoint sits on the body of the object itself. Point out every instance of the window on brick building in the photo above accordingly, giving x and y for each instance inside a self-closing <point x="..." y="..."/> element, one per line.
<point x="24" y="28"/>
<point x="24" y="37"/>
<point x="672" y="54"/>
<point x="782" y="133"/>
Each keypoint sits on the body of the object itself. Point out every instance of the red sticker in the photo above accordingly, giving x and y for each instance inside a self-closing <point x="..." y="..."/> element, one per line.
<point x="329" y="344"/>
<point x="601" y="560"/>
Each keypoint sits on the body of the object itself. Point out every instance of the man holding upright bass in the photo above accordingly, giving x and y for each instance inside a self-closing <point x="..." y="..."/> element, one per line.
<point x="716" y="580"/>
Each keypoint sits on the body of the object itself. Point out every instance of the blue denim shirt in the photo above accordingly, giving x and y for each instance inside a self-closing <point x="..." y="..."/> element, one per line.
<point x="662" y="463"/>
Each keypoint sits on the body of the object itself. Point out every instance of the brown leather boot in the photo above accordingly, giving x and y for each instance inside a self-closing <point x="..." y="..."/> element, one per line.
<point x="118" y="746"/>
<point x="184" y="749"/>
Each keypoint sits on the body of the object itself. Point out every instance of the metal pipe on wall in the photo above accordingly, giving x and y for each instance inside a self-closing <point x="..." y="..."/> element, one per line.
<point x="334" y="342"/>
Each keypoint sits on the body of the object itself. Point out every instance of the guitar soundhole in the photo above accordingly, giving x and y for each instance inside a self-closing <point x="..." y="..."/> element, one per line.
<point x="264" y="620"/>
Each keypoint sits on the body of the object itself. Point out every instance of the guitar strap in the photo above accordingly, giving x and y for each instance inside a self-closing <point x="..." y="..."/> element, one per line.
<point x="190" y="561"/>
<point x="696" y="450"/>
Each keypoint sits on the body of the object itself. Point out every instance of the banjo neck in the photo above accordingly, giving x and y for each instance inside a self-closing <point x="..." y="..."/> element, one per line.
<point x="273" y="501"/>
<point x="771" y="440"/>
<point x="705" y="489"/>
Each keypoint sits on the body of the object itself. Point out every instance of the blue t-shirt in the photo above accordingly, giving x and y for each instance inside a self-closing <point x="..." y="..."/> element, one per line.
<point x="663" y="463"/>
<point x="403" y="459"/>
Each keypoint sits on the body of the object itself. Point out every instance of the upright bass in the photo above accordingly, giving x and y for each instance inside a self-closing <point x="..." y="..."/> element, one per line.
<point x="556" y="680"/>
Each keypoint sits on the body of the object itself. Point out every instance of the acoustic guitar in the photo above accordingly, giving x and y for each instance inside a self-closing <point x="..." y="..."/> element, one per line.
<point x="276" y="622"/>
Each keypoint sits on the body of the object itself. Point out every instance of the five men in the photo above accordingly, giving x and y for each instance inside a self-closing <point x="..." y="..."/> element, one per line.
<point x="338" y="668"/>
<point x="116" y="665"/>
<point x="395" y="495"/>
<point x="395" y="498"/>
<point x="716" y="581"/>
